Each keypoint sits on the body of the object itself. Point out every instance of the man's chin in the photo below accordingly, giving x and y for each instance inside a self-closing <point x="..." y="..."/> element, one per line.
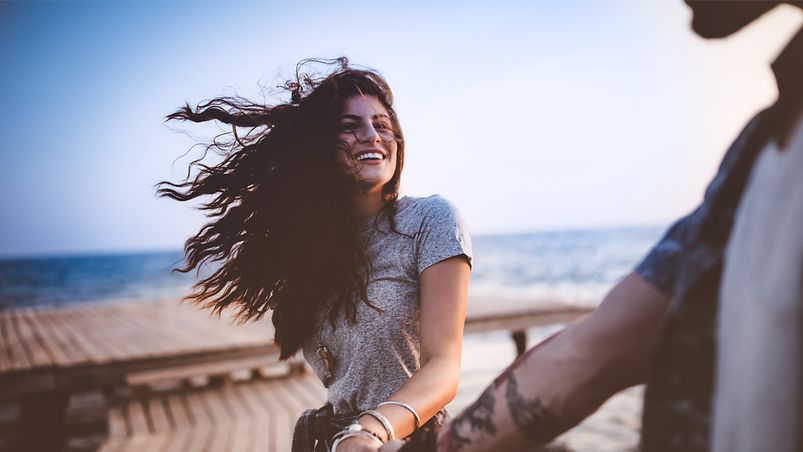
<point x="715" y="19"/>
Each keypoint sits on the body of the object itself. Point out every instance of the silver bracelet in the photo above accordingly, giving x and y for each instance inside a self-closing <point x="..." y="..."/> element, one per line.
<point x="348" y="435"/>
<point x="382" y="420"/>
<point x="405" y="406"/>
<point x="357" y="427"/>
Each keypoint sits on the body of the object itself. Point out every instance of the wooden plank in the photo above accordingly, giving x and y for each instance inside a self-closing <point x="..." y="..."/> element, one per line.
<point x="178" y="411"/>
<point x="221" y="437"/>
<point x="151" y="340"/>
<point x="241" y="417"/>
<point x="18" y="357"/>
<point x="293" y="400"/>
<point x="155" y="443"/>
<point x="143" y="442"/>
<point x="222" y="431"/>
<point x="116" y="422"/>
<point x="203" y="423"/>
<point x="180" y="440"/>
<point x="137" y="419"/>
<point x="260" y="434"/>
<point x="307" y="390"/>
<point x="113" y="445"/>
<point x="217" y="367"/>
<point x="263" y="432"/>
<point x="165" y="324"/>
<point x="37" y="354"/>
<point x="109" y="335"/>
<point x="51" y="339"/>
<point x="159" y="420"/>
<point x="5" y="357"/>
<point x="251" y="416"/>
<point x="85" y="336"/>
<point x="282" y="420"/>
<point x="67" y="342"/>
<point x="251" y="402"/>
<point x="197" y="328"/>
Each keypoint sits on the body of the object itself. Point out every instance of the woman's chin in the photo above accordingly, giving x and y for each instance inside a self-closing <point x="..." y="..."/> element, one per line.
<point x="371" y="185"/>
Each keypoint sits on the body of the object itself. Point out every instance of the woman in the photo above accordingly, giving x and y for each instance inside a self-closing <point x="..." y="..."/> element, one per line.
<point x="306" y="222"/>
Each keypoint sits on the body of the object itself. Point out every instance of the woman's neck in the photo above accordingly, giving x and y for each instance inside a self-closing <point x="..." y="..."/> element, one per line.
<point x="368" y="204"/>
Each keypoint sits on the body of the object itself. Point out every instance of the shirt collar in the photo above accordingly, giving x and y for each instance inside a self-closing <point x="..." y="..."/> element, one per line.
<point x="788" y="69"/>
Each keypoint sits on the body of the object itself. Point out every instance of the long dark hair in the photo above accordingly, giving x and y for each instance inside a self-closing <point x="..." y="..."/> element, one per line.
<point x="282" y="222"/>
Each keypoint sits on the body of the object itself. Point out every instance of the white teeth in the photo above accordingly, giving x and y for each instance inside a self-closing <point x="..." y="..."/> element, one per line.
<point x="370" y="155"/>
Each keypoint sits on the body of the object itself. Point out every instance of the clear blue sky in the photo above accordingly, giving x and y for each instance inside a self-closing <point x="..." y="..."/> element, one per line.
<point x="532" y="115"/>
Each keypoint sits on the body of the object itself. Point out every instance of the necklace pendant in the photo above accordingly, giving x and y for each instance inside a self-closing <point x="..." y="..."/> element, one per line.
<point x="326" y="359"/>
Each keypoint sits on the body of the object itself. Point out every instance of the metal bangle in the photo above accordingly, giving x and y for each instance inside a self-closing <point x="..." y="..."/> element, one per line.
<point x="405" y="406"/>
<point x="348" y="435"/>
<point x="357" y="427"/>
<point x="382" y="420"/>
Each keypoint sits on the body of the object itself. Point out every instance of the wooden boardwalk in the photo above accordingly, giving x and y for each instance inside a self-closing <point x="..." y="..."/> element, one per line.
<point x="40" y="338"/>
<point x="125" y="343"/>
<point x="239" y="417"/>
<point x="46" y="355"/>
<point x="91" y="346"/>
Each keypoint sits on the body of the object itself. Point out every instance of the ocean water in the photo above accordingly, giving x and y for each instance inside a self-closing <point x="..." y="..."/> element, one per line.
<point x="569" y="265"/>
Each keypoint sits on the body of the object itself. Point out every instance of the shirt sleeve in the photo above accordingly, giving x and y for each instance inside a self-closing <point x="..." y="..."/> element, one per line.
<point x="660" y="266"/>
<point x="443" y="234"/>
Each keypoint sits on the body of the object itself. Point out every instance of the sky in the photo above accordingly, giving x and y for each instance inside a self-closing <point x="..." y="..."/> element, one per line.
<point x="538" y="115"/>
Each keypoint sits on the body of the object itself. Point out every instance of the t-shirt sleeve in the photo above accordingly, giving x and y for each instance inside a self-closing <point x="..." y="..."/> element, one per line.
<point x="443" y="234"/>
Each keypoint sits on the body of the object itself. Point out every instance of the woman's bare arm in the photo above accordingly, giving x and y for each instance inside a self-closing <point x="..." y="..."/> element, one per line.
<point x="444" y="289"/>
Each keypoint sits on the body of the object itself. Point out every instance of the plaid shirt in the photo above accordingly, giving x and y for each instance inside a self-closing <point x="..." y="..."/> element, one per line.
<point x="687" y="265"/>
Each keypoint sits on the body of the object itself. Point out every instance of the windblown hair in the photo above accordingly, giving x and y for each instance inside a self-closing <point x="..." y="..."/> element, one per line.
<point x="282" y="223"/>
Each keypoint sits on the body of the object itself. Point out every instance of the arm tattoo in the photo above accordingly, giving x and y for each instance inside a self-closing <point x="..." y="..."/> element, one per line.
<point x="458" y="434"/>
<point x="531" y="416"/>
<point x="479" y="416"/>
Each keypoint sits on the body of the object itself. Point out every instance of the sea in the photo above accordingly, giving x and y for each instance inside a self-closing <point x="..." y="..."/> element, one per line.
<point x="574" y="266"/>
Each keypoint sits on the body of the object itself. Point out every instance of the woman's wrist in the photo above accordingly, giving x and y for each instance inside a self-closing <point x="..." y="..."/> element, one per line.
<point x="356" y="430"/>
<point x="372" y="425"/>
<point x="384" y="422"/>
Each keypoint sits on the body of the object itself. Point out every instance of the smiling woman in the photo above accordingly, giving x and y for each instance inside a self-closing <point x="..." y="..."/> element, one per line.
<point x="306" y="222"/>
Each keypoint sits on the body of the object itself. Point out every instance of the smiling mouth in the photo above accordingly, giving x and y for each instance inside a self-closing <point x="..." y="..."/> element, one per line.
<point x="369" y="156"/>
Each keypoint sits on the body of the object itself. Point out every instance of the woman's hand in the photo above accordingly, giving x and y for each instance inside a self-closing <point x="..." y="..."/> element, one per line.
<point x="358" y="444"/>
<point x="392" y="446"/>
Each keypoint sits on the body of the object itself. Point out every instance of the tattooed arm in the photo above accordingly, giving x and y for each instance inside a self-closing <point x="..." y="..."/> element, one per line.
<point x="556" y="384"/>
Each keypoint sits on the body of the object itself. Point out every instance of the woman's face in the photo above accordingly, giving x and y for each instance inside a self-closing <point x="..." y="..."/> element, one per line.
<point x="367" y="142"/>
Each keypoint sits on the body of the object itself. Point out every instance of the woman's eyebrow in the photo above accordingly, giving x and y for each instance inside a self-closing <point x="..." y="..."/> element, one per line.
<point x="357" y="118"/>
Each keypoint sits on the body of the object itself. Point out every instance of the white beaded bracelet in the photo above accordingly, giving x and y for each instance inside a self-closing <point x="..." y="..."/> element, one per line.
<point x="405" y="406"/>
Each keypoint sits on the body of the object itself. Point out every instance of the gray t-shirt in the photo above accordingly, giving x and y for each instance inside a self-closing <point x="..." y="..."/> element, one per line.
<point x="372" y="358"/>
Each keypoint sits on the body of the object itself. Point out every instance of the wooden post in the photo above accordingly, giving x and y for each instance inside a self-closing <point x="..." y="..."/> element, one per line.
<point x="520" y="339"/>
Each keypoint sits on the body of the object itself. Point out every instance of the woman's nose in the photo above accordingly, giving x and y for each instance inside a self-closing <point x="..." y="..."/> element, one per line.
<point x="368" y="134"/>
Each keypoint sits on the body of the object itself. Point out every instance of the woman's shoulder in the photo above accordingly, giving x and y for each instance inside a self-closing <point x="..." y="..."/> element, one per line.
<point x="415" y="213"/>
<point x="425" y="205"/>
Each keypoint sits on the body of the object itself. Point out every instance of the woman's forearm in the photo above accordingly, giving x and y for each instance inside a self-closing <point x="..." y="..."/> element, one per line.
<point x="427" y="391"/>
